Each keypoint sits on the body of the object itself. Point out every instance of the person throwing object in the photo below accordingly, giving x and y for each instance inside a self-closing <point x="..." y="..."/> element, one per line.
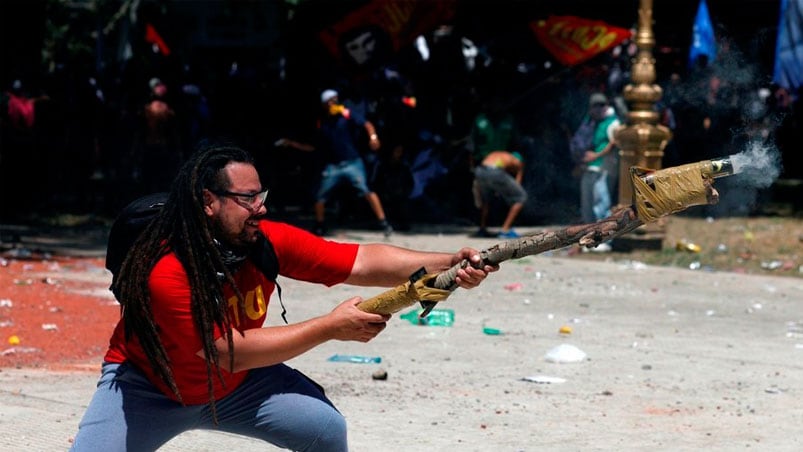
<point x="341" y="159"/>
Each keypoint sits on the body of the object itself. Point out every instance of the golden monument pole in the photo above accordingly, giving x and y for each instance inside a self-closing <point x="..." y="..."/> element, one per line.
<point x="642" y="140"/>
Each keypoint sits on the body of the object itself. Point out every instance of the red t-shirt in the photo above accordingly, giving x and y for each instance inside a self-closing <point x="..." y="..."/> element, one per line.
<point x="301" y="256"/>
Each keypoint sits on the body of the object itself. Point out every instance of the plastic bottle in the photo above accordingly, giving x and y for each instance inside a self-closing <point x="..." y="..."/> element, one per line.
<point x="436" y="317"/>
<point x="355" y="359"/>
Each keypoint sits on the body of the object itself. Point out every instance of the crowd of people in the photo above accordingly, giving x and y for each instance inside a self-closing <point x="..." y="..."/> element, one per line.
<point x="400" y="133"/>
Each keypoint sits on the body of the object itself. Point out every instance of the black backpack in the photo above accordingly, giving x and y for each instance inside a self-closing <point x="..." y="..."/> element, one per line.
<point x="136" y="216"/>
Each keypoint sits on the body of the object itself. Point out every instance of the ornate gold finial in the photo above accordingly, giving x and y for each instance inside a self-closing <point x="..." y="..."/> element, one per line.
<point x="642" y="140"/>
<point x="644" y="36"/>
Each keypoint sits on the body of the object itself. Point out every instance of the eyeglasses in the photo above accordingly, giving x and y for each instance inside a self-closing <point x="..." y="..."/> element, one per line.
<point x="250" y="201"/>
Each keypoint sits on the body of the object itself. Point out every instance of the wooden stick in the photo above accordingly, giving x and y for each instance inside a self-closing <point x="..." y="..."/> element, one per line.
<point x="396" y="299"/>
<point x="622" y="221"/>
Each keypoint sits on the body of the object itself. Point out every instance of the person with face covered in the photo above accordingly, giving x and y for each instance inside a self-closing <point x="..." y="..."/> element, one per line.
<point x="595" y="201"/>
<point x="191" y="350"/>
<point x="339" y="152"/>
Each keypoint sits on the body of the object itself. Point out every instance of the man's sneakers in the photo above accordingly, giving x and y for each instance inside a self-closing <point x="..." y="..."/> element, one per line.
<point x="601" y="248"/>
<point x="509" y="234"/>
<point x="384" y="226"/>
<point x="387" y="229"/>
<point x="483" y="233"/>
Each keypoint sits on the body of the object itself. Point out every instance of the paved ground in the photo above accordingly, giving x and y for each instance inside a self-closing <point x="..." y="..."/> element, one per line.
<point x="675" y="360"/>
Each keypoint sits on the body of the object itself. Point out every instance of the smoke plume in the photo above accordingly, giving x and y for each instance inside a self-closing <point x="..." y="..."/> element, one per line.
<point x="755" y="170"/>
<point x="758" y="166"/>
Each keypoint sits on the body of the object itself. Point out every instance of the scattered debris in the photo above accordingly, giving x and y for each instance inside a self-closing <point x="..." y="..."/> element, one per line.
<point x="565" y="353"/>
<point x="355" y="359"/>
<point x="513" y="287"/>
<point x="15" y="350"/>
<point x="771" y="265"/>
<point x="491" y="331"/>
<point x="794" y="329"/>
<point x="544" y="379"/>
<point x="685" y="245"/>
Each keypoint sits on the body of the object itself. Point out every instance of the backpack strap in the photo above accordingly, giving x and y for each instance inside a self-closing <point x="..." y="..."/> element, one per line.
<point x="264" y="257"/>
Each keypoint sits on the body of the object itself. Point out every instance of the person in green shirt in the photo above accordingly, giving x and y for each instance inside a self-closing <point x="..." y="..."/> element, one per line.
<point x="595" y="197"/>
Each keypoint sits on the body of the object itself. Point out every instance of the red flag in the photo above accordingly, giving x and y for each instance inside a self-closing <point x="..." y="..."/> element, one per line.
<point x="383" y="26"/>
<point x="21" y="111"/>
<point x="572" y="40"/>
<point x="153" y="37"/>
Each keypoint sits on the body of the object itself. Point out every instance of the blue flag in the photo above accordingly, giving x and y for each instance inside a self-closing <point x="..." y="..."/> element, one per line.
<point x="702" y="38"/>
<point x="789" y="47"/>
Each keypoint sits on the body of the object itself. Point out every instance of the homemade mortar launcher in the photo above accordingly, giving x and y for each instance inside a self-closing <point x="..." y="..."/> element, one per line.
<point x="656" y="193"/>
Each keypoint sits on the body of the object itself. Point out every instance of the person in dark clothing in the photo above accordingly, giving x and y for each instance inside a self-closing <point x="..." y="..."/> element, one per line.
<point x="338" y="150"/>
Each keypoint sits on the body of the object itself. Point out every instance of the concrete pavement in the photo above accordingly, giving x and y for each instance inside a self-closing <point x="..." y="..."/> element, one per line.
<point x="676" y="360"/>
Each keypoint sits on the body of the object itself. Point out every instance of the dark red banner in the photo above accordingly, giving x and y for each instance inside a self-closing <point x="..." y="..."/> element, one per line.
<point x="572" y="40"/>
<point x="383" y="26"/>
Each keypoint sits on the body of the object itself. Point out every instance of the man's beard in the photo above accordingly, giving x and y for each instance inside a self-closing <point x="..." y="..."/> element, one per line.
<point x="233" y="249"/>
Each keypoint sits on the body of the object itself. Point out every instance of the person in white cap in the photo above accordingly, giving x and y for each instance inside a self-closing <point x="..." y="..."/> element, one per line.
<point x="342" y="161"/>
<point x="328" y="95"/>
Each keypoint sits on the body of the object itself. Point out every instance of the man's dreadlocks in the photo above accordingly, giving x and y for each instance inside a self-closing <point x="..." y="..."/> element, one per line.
<point x="183" y="228"/>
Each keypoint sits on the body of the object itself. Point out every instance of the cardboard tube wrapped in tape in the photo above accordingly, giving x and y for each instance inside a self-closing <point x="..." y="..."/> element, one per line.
<point x="670" y="190"/>
<point x="405" y="295"/>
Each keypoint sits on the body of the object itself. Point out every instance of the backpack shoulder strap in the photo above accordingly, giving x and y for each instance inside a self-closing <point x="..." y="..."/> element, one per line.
<point x="264" y="257"/>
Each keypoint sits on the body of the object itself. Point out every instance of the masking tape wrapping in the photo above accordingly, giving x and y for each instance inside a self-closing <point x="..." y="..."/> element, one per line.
<point x="403" y="296"/>
<point x="672" y="190"/>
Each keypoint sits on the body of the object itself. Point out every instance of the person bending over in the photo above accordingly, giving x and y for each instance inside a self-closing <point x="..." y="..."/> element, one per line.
<point x="500" y="174"/>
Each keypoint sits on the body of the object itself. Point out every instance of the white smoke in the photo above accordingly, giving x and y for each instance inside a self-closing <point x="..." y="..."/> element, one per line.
<point x="759" y="165"/>
<point x="755" y="170"/>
